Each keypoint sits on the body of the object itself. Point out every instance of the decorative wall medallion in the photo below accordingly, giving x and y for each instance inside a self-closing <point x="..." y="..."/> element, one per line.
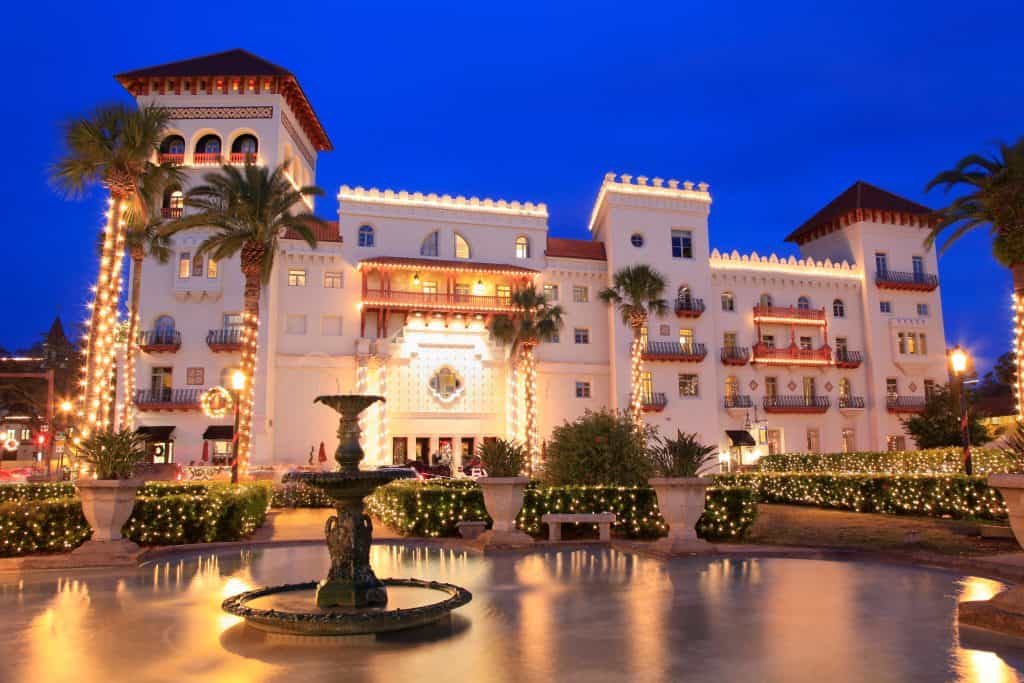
<point x="913" y="386"/>
<point x="445" y="384"/>
<point x="753" y="385"/>
<point x="828" y="386"/>
<point x="791" y="385"/>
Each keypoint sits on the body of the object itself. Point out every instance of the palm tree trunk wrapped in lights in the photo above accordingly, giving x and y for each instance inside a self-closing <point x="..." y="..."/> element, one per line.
<point x="529" y="365"/>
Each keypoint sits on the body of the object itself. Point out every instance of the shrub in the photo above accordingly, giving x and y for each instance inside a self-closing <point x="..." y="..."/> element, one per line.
<point x="431" y="510"/>
<point x="683" y="456"/>
<point x="298" y="495"/>
<point x="931" y="461"/>
<point x="502" y="458"/>
<point x="110" y="454"/>
<point x="938" y="424"/>
<point x="958" y="496"/>
<point x="602" y="448"/>
<point x="36" y="491"/>
<point x="33" y="525"/>
<point x="214" y="512"/>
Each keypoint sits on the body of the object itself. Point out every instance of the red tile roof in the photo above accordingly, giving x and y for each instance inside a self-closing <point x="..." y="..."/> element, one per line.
<point x="328" y="232"/>
<point x="861" y="201"/>
<point x="235" y="62"/>
<point x="559" y="247"/>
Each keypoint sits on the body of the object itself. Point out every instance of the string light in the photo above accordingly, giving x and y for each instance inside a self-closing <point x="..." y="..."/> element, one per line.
<point x="246" y="397"/>
<point x="1018" y="353"/>
<point x="636" y="371"/>
<point x="530" y="379"/>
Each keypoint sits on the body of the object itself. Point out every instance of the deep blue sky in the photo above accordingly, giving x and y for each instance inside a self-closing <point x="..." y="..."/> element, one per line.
<point x="779" y="106"/>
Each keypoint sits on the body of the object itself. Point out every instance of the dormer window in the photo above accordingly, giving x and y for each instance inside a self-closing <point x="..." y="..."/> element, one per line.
<point x="523" y="247"/>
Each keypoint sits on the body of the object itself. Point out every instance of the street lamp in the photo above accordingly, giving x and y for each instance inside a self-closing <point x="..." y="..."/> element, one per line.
<point x="958" y="362"/>
<point x="65" y="407"/>
<point x="237" y="385"/>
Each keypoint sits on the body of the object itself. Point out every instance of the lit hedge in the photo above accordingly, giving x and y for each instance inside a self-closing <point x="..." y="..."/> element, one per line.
<point x="32" y="526"/>
<point x="298" y="495"/>
<point x="930" y="461"/>
<point x="956" y="496"/>
<point x="429" y="509"/>
<point x="37" y="491"/>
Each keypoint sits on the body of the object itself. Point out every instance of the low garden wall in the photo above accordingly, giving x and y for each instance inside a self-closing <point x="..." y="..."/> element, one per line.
<point x="48" y="517"/>
<point x="929" y="461"/>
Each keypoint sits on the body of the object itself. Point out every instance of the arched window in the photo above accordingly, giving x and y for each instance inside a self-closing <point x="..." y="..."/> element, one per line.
<point x="197" y="265"/>
<point x="207" y="150"/>
<point x="766" y="300"/>
<point x="172" y="149"/>
<point x="174" y="201"/>
<point x="164" y="323"/>
<point x="803" y="303"/>
<point x="461" y="247"/>
<point x="844" y="387"/>
<point x="366" y="236"/>
<point x="838" y="309"/>
<point x="245" y="146"/>
<point x="728" y="301"/>
<point x="522" y="247"/>
<point x="429" y="245"/>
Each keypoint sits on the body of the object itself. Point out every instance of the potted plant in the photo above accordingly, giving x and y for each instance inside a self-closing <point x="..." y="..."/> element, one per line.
<point x="680" y="489"/>
<point x="503" y="461"/>
<point x="1011" y="484"/>
<point x="107" y="499"/>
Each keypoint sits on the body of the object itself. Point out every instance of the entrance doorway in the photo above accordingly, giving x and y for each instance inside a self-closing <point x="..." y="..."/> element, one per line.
<point x="423" y="448"/>
<point x="774" y="441"/>
<point x="445" y="449"/>
<point x="399" y="450"/>
<point x="468" y="446"/>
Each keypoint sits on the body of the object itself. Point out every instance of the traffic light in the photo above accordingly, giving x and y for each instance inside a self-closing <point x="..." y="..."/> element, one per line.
<point x="41" y="439"/>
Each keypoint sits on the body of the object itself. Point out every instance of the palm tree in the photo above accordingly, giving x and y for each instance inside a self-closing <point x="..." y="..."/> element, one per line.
<point x="112" y="147"/>
<point x="637" y="291"/>
<point x="247" y="210"/>
<point x="994" y="198"/>
<point x="536" y="321"/>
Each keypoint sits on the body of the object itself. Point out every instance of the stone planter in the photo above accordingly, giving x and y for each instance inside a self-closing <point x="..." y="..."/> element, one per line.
<point x="681" y="501"/>
<point x="107" y="505"/>
<point x="1011" y="487"/>
<point x="503" y="497"/>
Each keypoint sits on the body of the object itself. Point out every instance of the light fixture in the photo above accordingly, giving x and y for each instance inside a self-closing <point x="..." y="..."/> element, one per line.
<point x="958" y="359"/>
<point x="238" y="380"/>
<point x="478" y="288"/>
<point x="66" y="407"/>
<point x="416" y="279"/>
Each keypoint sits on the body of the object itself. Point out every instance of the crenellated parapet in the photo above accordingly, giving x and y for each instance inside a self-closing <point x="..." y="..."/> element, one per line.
<point x="642" y="186"/>
<point x="444" y="201"/>
<point x="774" y="264"/>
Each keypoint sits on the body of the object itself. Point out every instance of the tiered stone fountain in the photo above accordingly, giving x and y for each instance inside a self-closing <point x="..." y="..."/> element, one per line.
<point x="351" y="600"/>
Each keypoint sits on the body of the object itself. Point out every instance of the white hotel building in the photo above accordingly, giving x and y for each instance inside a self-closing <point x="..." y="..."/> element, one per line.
<point x="757" y="354"/>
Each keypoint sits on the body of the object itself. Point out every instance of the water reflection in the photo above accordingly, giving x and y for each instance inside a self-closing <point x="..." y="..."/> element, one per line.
<point x="583" y="615"/>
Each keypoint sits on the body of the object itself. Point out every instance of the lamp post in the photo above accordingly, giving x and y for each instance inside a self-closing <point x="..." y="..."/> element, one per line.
<point x="237" y="385"/>
<point x="958" y="362"/>
<point x="65" y="408"/>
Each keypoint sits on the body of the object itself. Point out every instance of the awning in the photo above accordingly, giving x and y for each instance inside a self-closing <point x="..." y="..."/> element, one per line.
<point x="219" y="433"/>
<point x="162" y="433"/>
<point x="740" y="437"/>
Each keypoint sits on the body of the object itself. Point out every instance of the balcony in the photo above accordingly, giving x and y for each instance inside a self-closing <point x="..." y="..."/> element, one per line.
<point x="440" y="301"/>
<point x="160" y="341"/>
<point x="654" y="402"/>
<point x="674" y="351"/>
<point x="167" y="399"/>
<point x="904" y="404"/>
<point x="735" y="355"/>
<point x="168" y="158"/>
<point x="789" y="315"/>
<point x="848" y="359"/>
<point x="689" y="307"/>
<point x="241" y="157"/>
<point x="206" y="159"/>
<point x="913" y="282"/>
<point x="225" y="340"/>
<point x="791" y="355"/>
<point x="171" y="211"/>
<point x="738" y="402"/>
<point x="851" y="403"/>
<point x="796" y="404"/>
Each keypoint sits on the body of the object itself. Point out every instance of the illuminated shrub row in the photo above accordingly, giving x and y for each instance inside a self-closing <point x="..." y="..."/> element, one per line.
<point x="295" y="495"/>
<point x="40" y="491"/>
<point x="931" y="461"/>
<point x="956" y="496"/>
<point x="428" y="509"/>
<point x="32" y="526"/>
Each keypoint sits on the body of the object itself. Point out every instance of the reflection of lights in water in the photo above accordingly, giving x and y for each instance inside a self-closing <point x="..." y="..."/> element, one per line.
<point x="975" y="588"/>
<point x="234" y="586"/>
<point x="981" y="665"/>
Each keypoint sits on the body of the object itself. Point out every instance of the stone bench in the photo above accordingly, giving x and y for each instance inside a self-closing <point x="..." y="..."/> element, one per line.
<point x="555" y="520"/>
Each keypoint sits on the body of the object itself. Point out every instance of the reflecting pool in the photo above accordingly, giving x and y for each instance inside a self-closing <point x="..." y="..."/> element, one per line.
<point x="584" y="614"/>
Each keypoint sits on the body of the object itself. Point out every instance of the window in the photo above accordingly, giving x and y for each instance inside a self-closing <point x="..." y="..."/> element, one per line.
<point x="295" y="324"/>
<point x="330" y="325"/>
<point x="332" y="280"/>
<point x="636" y="239"/>
<point x="841" y="345"/>
<point x="225" y="377"/>
<point x="803" y="303"/>
<point x="208" y="144"/>
<point x="892" y="387"/>
<point x="522" y="247"/>
<point x="922" y="310"/>
<point x="929" y="388"/>
<point x="211" y="269"/>
<point x="729" y="340"/>
<point x="684" y="297"/>
<point x="647" y="386"/>
<point x="173" y="144"/>
<point x="896" y="443"/>
<point x="244" y="144"/>
<point x="184" y="265"/>
<point x="917" y="266"/>
<point x="232" y="321"/>
<point x="805" y="343"/>
<point x="164" y="325"/>
<point x="461" y="247"/>
<point x="765" y="301"/>
<point x="197" y="265"/>
<point x="555" y="338"/>
<point x="922" y="347"/>
<point x="844" y="387"/>
<point x="688" y="386"/>
<point x="551" y="292"/>
<point x="581" y="335"/>
<point x="26" y="434"/>
<point x="685" y="337"/>
<point x="664" y="330"/>
<point x="504" y="293"/>
<point x="682" y="244"/>
<point x="838" y="309"/>
<point x="582" y="389"/>
<point x="901" y="343"/>
<point x="160" y="383"/>
<point x="580" y="294"/>
<point x="366" y="236"/>
<point x="176" y="200"/>
<point x="771" y="387"/>
<point x="728" y="302"/>
<point x="768" y="340"/>
<point x="428" y="287"/>
<point x="849" y="445"/>
<point x="296" y="277"/>
<point x="813" y="440"/>
<point x="462" y="291"/>
<point x="643" y="337"/>
<point x="732" y="387"/>
<point x="429" y="245"/>
<point x="810" y="390"/>
<point x="881" y="263"/>
<point x="885" y="306"/>
<point x="194" y="376"/>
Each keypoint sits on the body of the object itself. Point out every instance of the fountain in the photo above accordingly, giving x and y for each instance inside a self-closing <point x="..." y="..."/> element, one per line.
<point x="351" y="599"/>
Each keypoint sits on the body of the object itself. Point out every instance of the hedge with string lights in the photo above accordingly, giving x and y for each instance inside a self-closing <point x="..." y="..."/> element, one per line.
<point x="930" y="461"/>
<point x="433" y="510"/>
<point x="34" y="526"/>
<point x="956" y="496"/>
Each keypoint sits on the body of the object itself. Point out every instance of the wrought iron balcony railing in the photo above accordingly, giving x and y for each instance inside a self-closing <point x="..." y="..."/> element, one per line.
<point x="895" y="279"/>
<point x="225" y="339"/>
<point x="689" y="307"/>
<point x="160" y="341"/>
<point x="796" y="404"/>
<point x="848" y="359"/>
<point x="438" y="300"/>
<point x="167" y="399"/>
<point x="735" y="355"/>
<point x="904" y="404"/>
<point x="851" y="403"/>
<point x="791" y="355"/>
<point x="655" y="401"/>
<point x="738" y="401"/>
<point x="789" y="315"/>
<point x="674" y="351"/>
